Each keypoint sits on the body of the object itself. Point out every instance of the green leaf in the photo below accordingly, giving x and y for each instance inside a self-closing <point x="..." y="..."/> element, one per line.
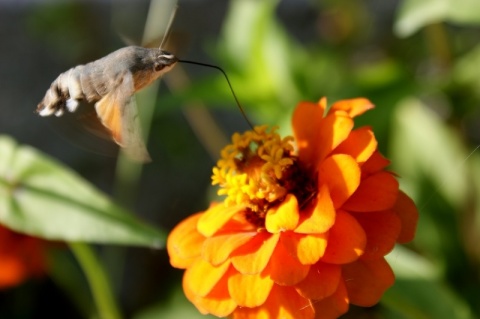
<point x="424" y="146"/>
<point x="415" y="14"/>
<point x="263" y="56"/>
<point x="418" y="292"/>
<point x="465" y="70"/>
<point x="177" y="306"/>
<point x="41" y="197"/>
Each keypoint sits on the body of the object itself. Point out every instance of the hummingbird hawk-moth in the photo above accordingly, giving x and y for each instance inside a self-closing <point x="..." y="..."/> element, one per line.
<point x="110" y="83"/>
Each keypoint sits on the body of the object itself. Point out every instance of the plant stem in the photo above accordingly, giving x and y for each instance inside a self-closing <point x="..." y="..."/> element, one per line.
<point x="97" y="280"/>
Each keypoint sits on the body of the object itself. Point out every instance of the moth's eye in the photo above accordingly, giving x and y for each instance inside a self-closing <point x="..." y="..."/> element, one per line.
<point x="159" y="66"/>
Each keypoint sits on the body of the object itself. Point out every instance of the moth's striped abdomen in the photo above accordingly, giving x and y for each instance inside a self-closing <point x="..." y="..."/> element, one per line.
<point x="83" y="82"/>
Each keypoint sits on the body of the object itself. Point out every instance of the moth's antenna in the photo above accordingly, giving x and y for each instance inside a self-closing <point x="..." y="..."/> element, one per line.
<point x="169" y="25"/>
<point x="229" y="84"/>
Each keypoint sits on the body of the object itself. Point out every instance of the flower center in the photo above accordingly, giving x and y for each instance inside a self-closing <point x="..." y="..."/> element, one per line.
<point x="258" y="170"/>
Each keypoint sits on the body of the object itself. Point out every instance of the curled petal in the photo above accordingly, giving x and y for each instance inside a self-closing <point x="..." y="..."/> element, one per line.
<point x="353" y="107"/>
<point x="341" y="174"/>
<point x="284" y="217"/>
<point x="215" y="218"/>
<point x="376" y="192"/>
<point x="254" y="257"/>
<point x="249" y="290"/>
<point x="346" y="241"/>
<point x="407" y="212"/>
<point x="333" y="306"/>
<point x="322" y="281"/>
<point x="217" y="302"/>
<point x="360" y="145"/>
<point x="184" y="242"/>
<point x="374" y="164"/>
<point x="306" y="121"/>
<point x="192" y="297"/>
<point x="367" y="280"/>
<point x="382" y="230"/>
<point x="318" y="217"/>
<point x="308" y="248"/>
<point x="334" y="129"/>
<point x="202" y="277"/>
<point x="217" y="249"/>
<point x="317" y="136"/>
<point x="283" y="302"/>
<point x="284" y="268"/>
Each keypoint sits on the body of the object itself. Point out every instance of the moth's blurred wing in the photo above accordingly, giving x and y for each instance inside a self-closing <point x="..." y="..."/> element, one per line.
<point x="84" y="129"/>
<point x="118" y="112"/>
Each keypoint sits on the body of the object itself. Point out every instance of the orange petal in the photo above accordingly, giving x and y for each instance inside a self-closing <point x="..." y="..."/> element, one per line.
<point x="322" y="281"/>
<point x="249" y="290"/>
<point x="374" y="164"/>
<point x="254" y="257"/>
<point x="346" y="241"/>
<point x="318" y="217"/>
<point x="360" y="144"/>
<point x="214" y="218"/>
<point x="382" y="229"/>
<point x="316" y="136"/>
<point x="333" y="306"/>
<point x="333" y="130"/>
<point x="283" y="302"/>
<point x="367" y="280"/>
<point x="311" y="247"/>
<point x="306" y="121"/>
<point x="353" y="107"/>
<point x="192" y="297"/>
<point x="184" y="243"/>
<point x="284" y="217"/>
<point x="12" y="271"/>
<point x="284" y="268"/>
<point x="308" y="249"/>
<point x="201" y="277"/>
<point x="341" y="174"/>
<point x="376" y="192"/>
<point x="217" y="302"/>
<point x="217" y="249"/>
<point x="407" y="212"/>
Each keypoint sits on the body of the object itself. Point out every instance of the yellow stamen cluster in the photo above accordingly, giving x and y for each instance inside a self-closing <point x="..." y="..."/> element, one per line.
<point x="250" y="170"/>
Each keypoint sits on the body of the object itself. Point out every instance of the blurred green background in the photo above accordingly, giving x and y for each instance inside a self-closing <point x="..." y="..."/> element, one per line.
<point x="417" y="61"/>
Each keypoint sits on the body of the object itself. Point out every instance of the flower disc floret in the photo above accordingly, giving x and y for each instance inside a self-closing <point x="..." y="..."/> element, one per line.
<point x="252" y="168"/>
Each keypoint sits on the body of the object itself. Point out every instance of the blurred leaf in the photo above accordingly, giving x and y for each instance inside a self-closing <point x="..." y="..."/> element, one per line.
<point x="414" y="14"/>
<point x="176" y="307"/>
<point x="418" y="292"/>
<point x="66" y="22"/>
<point x="377" y="74"/>
<point x="40" y="197"/>
<point x="260" y="52"/>
<point x="423" y="145"/>
<point x="465" y="70"/>
<point x="65" y="272"/>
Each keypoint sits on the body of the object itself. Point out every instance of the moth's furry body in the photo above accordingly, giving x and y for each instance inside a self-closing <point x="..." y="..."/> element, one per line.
<point x="110" y="83"/>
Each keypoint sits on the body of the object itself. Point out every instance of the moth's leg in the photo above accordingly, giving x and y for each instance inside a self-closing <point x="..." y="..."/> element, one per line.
<point x="54" y="99"/>
<point x="72" y="81"/>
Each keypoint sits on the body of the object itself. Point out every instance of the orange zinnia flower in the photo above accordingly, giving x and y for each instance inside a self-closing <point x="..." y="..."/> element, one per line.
<point x="303" y="232"/>
<point x="21" y="257"/>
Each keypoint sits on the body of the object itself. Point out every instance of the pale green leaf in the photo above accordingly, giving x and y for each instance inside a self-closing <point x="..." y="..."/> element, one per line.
<point x="423" y="146"/>
<point x="465" y="70"/>
<point x="41" y="197"/>
<point x="418" y="292"/>
<point x="177" y="306"/>
<point x="414" y="14"/>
